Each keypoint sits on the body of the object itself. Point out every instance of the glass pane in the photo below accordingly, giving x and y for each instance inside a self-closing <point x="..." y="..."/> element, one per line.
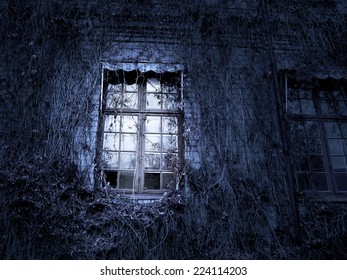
<point x="152" y="142"/>
<point x="169" y="142"/>
<point x="339" y="164"/>
<point x="341" y="182"/>
<point x="129" y="123"/>
<point x="335" y="146"/>
<point x="111" y="178"/>
<point x="167" y="88"/>
<point x="153" y="85"/>
<point x="312" y="129"/>
<point x="152" y="161"/>
<point x="307" y="106"/>
<point x="312" y="181"/>
<point x="343" y="127"/>
<point x="332" y="130"/>
<point x="327" y="106"/>
<point x="130" y="100"/>
<point x="127" y="160"/>
<point x="110" y="159"/>
<point x="316" y="163"/>
<point x="314" y="146"/>
<point x="111" y="123"/>
<point x="126" y="180"/>
<point x="111" y="141"/>
<point x="152" y="181"/>
<point x="344" y="142"/>
<point x="153" y="101"/>
<point x="132" y="87"/>
<point x="113" y="96"/>
<point x="294" y="106"/>
<point x="128" y="142"/>
<point x="169" y="101"/>
<point x="170" y="125"/>
<point x="304" y="93"/>
<point x="342" y="108"/>
<point x="170" y="161"/>
<point x="168" y="180"/>
<point x="152" y="124"/>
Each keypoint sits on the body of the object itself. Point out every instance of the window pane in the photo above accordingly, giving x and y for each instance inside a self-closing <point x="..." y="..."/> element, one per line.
<point x="167" y="88"/>
<point x="152" y="124"/>
<point x="170" y="161"/>
<point x="343" y="127"/>
<point x="169" y="101"/>
<point x="126" y="180"/>
<point x="312" y="181"/>
<point x="170" y="125"/>
<point x="341" y="182"/>
<point x="128" y="142"/>
<point x="110" y="159"/>
<point x="152" y="181"/>
<point x="130" y="100"/>
<point x="152" y="161"/>
<point x="168" y="180"/>
<point x="111" y="178"/>
<point x="169" y="142"/>
<point x="111" y="141"/>
<point x="127" y="160"/>
<point x="311" y="129"/>
<point x="332" y="130"/>
<point x="307" y="106"/>
<point x="339" y="164"/>
<point x="153" y="101"/>
<point x="328" y="107"/>
<point x="152" y="142"/>
<point x="113" y="96"/>
<point x="132" y="87"/>
<point x="294" y="106"/>
<point x="129" y="123"/>
<point x="335" y="146"/>
<point x="153" y="85"/>
<point x="316" y="163"/>
<point x="111" y="123"/>
<point x="314" y="146"/>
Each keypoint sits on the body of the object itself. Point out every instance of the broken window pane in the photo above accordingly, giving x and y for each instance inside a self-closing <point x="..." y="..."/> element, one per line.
<point x="152" y="181"/>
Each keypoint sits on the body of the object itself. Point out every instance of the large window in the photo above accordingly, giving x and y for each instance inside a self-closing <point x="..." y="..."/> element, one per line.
<point x="141" y="121"/>
<point x="317" y="111"/>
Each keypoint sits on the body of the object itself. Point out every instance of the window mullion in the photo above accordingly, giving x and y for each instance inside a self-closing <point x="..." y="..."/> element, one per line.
<point x="141" y="138"/>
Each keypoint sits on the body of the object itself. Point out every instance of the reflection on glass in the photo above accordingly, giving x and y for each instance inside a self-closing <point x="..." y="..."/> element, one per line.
<point x="153" y="101"/>
<point x="110" y="159"/>
<point x="111" y="141"/>
<point x="128" y="142"/>
<point x="129" y="123"/>
<point x="152" y="124"/>
<point x="152" y="142"/>
<point x="153" y="85"/>
<point x="335" y="146"/>
<point x="127" y="160"/>
<point x="152" y="161"/>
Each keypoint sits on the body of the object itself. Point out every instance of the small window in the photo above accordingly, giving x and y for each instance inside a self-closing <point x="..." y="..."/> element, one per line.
<point x="141" y="130"/>
<point x="318" y="130"/>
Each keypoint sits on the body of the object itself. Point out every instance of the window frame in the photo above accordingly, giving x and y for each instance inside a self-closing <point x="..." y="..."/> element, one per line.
<point x="314" y="85"/>
<point x="141" y="112"/>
